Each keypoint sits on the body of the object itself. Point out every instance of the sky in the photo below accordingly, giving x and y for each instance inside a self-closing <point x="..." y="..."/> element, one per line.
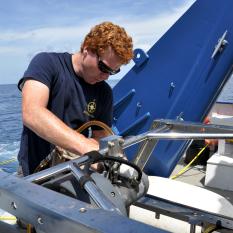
<point x="29" y="27"/>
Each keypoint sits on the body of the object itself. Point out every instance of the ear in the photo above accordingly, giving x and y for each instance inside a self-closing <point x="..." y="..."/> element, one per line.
<point x="85" y="52"/>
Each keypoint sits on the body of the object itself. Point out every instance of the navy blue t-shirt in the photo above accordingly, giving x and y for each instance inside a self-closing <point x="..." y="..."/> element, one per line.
<point x="71" y="99"/>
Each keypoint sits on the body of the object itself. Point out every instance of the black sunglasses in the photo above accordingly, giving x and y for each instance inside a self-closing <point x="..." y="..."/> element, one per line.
<point x="106" y="69"/>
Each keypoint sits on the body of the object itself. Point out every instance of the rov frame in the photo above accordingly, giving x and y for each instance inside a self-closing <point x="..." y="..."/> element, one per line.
<point x="49" y="211"/>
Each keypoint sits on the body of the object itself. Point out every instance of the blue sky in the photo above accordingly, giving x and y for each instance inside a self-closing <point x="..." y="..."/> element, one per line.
<point x="29" y="27"/>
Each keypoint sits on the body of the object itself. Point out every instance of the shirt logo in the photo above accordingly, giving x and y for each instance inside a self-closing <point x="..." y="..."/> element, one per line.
<point x="90" y="109"/>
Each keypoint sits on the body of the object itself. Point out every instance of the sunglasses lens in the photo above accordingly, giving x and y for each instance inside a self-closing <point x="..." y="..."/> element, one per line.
<point x="105" y="69"/>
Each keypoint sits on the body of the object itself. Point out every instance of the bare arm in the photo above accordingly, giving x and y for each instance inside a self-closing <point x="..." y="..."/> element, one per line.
<point x="44" y="123"/>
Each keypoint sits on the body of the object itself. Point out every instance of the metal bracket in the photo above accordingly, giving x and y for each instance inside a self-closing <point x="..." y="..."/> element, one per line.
<point x="146" y="148"/>
<point x="114" y="145"/>
<point x="185" y="213"/>
<point x="140" y="57"/>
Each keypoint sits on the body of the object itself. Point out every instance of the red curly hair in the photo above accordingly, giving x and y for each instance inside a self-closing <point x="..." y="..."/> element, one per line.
<point x="108" y="34"/>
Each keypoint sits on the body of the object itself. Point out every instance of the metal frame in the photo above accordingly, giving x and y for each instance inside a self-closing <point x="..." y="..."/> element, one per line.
<point x="49" y="211"/>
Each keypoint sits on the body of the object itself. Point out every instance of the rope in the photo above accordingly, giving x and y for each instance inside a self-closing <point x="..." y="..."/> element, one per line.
<point x="8" y="161"/>
<point x="182" y="171"/>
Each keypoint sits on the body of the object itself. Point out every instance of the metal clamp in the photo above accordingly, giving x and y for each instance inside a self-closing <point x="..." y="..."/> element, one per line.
<point x="220" y="45"/>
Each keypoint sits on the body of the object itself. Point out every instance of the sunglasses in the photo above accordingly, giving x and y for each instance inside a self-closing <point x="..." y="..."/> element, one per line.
<point x="106" y="69"/>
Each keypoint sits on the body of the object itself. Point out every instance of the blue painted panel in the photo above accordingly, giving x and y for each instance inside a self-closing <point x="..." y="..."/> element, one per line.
<point x="178" y="78"/>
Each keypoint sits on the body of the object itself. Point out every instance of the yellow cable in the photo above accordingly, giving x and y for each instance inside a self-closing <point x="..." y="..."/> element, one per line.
<point x="5" y="218"/>
<point x="29" y="228"/>
<point x="229" y="140"/>
<point x="210" y="228"/>
<point x="185" y="168"/>
<point x="7" y="161"/>
<point x="13" y="218"/>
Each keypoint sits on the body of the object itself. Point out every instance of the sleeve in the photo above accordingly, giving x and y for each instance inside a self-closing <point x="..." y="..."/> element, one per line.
<point x="108" y="108"/>
<point x="41" y="68"/>
<point x="106" y="113"/>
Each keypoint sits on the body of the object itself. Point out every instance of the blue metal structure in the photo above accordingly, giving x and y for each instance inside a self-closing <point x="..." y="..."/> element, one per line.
<point x="181" y="76"/>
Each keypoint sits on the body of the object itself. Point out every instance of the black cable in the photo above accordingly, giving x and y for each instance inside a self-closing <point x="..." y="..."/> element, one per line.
<point x="95" y="157"/>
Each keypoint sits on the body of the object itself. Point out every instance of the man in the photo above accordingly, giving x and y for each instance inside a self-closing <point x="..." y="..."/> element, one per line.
<point x="61" y="91"/>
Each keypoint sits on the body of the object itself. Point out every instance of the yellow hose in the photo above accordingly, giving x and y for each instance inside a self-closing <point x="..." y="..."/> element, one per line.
<point x="186" y="167"/>
<point x="6" y="218"/>
<point x="13" y="218"/>
<point x="229" y="140"/>
<point x="7" y="161"/>
<point x="210" y="228"/>
<point x="29" y="228"/>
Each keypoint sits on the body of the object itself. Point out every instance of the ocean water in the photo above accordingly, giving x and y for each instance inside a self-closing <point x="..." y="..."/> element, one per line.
<point x="11" y="125"/>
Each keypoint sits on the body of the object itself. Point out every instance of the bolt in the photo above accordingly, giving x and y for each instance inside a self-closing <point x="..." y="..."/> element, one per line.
<point x="40" y="220"/>
<point x="121" y="141"/>
<point x="172" y="87"/>
<point x="139" y="105"/>
<point x="110" y="144"/>
<point x="113" y="194"/>
<point x="157" y="215"/>
<point x="13" y="205"/>
<point x="82" y="210"/>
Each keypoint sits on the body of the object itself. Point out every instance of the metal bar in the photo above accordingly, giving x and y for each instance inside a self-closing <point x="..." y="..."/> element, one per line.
<point x="192" y="228"/>
<point x="177" y="130"/>
<point x="188" y="136"/>
<point x="182" y="212"/>
<point x="56" y="170"/>
<point x="96" y="194"/>
<point x="147" y="147"/>
<point x="144" y="153"/>
<point x="194" y="126"/>
<point x="144" y="136"/>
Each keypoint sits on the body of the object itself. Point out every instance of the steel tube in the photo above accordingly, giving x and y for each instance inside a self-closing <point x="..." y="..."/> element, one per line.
<point x="52" y="171"/>
<point x="96" y="194"/>
<point x="187" y="136"/>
